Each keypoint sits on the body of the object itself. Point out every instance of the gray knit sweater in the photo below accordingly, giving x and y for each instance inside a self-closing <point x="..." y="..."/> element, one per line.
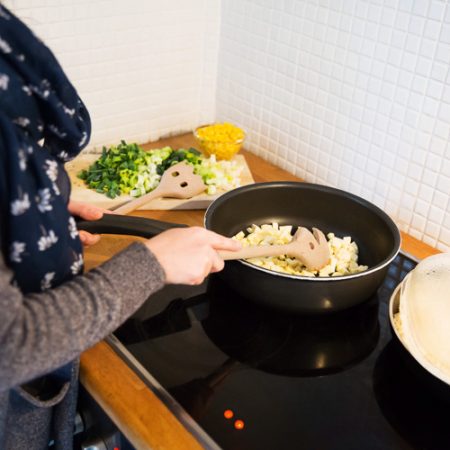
<point x="40" y="333"/>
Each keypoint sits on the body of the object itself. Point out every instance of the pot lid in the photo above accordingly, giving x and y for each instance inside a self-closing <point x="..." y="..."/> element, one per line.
<point x="425" y="314"/>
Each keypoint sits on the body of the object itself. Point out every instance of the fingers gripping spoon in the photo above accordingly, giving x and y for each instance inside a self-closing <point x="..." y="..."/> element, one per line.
<point x="310" y="248"/>
<point x="178" y="181"/>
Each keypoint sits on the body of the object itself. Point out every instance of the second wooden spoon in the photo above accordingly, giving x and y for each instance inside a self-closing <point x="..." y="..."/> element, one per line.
<point x="178" y="181"/>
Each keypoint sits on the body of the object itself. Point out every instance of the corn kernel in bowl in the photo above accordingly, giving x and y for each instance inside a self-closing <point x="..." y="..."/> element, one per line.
<point x="223" y="140"/>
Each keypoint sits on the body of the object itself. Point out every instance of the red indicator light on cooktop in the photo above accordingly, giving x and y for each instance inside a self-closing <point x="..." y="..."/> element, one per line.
<point x="239" y="424"/>
<point x="228" y="414"/>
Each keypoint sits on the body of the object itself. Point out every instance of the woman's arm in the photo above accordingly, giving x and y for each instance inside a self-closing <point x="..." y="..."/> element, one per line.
<point x="41" y="332"/>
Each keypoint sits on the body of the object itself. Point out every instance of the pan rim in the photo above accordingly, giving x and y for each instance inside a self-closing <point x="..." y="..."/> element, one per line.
<point x="385" y="217"/>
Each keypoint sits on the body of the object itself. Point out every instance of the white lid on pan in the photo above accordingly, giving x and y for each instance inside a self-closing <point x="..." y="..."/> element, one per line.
<point x="425" y="314"/>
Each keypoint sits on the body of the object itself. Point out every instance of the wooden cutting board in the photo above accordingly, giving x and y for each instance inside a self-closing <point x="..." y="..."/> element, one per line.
<point x="82" y="194"/>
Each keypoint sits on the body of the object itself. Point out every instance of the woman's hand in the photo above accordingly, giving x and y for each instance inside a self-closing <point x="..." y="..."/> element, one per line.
<point x="87" y="212"/>
<point x="188" y="255"/>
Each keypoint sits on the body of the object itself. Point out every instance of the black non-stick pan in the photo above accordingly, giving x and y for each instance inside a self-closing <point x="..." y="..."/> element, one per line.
<point x="297" y="204"/>
<point x="128" y="225"/>
<point x="308" y="205"/>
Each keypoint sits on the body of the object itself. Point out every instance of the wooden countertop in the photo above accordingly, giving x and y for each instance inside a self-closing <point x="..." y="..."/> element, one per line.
<point x="137" y="411"/>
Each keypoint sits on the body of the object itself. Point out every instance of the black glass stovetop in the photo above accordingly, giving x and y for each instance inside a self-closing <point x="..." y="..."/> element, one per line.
<point x="289" y="382"/>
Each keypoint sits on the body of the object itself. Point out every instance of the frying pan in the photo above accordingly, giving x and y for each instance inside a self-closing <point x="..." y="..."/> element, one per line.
<point x="297" y="204"/>
<point x="308" y="205"/>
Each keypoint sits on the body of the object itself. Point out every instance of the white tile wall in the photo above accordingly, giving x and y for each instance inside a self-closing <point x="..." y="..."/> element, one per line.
<point x="351" y="93"/>
<point x="145" y="68"/>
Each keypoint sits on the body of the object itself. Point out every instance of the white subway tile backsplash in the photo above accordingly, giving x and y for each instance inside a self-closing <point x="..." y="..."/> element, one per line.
<point x="144" y="68"/>
<point x="438" y="145"/>
<point x="443" y="52"/>
<point x="436" y="10"/>
<point x="433" y="231"/>
<point x="422" y="208"/>
<point x="433" y="162"/>
<point x="429" y="240"/>
<point x="443" y="183"/>
<point x="441" y="200"/>
<point x="432" y="31"/>
<point x="415" y="233"/>
<point x="442" y="130"/>
<point x="352" y="93"/>
<point x="447" y="220"/>
<point x="418" y="224"/>
<point x="445" y="31"/>
<point x="429" y="177"/>
<point x="372" y="86"/>
<point x="435" y="89"/>
<point x="439" y="72"/>
<point x="443" y="243"/>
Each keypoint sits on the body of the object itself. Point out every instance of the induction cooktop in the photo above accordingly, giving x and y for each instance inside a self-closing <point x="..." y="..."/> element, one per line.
<point x="242" y="377"/>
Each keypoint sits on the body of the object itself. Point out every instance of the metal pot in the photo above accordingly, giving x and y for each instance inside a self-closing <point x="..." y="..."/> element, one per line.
<point x="436" y="386"/>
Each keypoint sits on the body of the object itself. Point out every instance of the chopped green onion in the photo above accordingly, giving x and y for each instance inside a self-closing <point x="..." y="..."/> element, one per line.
<point x="127" y="169"/>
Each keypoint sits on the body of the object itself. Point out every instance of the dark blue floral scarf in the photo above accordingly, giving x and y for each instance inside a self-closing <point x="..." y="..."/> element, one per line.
<point x="43" y="123"/>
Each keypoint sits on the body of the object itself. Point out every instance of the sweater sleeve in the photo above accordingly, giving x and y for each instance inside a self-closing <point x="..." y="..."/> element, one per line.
<point x="41" y="332"/>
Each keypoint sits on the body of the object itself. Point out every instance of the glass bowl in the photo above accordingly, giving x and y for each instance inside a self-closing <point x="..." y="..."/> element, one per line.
<point x="223" y="140"/>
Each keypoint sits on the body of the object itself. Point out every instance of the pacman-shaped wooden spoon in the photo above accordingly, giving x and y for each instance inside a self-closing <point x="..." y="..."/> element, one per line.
<point x="310" y="248"/>
<point x="178" y="181"/>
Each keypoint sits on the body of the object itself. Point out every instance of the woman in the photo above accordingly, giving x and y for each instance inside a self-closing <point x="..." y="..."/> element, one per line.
<point x="50" y="311"/>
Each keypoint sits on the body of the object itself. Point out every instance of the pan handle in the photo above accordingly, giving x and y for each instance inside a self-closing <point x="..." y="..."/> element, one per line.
<point x="131" y="225"/>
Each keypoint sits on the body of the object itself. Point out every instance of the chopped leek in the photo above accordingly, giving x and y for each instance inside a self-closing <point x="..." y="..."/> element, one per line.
<point x="127" y="169"/>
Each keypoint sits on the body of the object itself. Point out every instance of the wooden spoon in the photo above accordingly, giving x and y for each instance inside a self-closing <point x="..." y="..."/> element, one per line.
<point x="178" y="181"/>
<point x="310" y="248"/>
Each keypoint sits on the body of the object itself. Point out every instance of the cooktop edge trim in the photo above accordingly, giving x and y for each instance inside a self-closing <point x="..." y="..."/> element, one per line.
<point x="178" y="411"/>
